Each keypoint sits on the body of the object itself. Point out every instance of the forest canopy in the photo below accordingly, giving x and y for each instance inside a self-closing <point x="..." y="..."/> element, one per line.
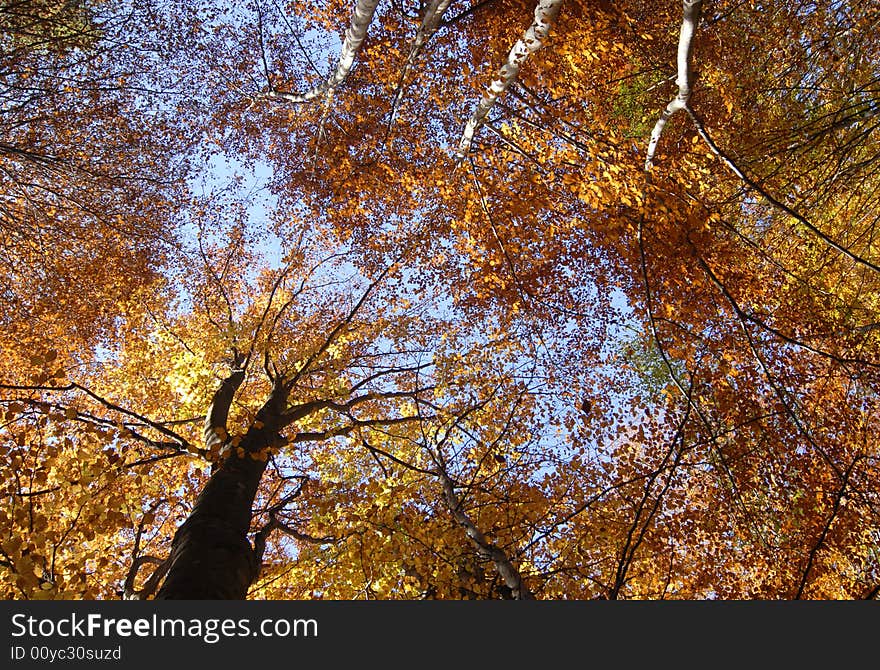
<point x="449" y="299"/>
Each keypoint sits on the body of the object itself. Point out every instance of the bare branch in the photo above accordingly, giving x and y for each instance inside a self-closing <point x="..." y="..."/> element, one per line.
<point x="392" y="371"/>
<point x="304" y="537"/>
<point x="376" y="451"/>
<point x="302" y="410"/>
<point x="331" y="337"/>
<point x="352" y="426"/>
<point x="262" y="536"/>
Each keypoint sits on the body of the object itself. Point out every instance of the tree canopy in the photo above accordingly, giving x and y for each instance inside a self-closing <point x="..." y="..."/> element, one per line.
<point x="560" y="299"/>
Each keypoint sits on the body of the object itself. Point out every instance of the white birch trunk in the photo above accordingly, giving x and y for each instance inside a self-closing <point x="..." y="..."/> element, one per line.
<point x="354" y="38"/>
<point x="545" y="14"/>
<point x="690" y="19"/>
<point x="430" y="22"/>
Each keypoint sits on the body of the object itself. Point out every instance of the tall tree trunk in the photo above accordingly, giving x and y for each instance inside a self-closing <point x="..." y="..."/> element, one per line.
<point x="211" y="556"/>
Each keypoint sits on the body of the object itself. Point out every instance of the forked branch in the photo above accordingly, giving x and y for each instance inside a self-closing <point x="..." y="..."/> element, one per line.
<point x="149" y="588"/>
<point x="488" y="550"/>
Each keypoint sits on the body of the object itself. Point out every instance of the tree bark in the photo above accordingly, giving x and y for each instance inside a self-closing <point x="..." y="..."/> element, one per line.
<point x="545" y="14"/>
<point x="211" y="556"/>
<point x="354" y="38"/>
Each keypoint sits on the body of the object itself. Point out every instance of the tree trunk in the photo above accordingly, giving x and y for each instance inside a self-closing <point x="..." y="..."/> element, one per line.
<point x="211" y="556"/>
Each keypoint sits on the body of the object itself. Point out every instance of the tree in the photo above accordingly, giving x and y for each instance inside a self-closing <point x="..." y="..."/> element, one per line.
<point x="589" y="343"/>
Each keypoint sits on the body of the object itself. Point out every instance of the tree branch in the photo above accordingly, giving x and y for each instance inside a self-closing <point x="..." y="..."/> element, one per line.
<point x="129" y="592"/>
<point x="178" y="441"/>
<point x="349" y="428"/>
<point x="300" y="411"/>
<point x="751" y="183"/>
<point x="331" y="337"/>
<point x="218" y="412"/>
<point x="505" y="568"/>
<point x="820" y="541"/>
<point x="430" y="22"/>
